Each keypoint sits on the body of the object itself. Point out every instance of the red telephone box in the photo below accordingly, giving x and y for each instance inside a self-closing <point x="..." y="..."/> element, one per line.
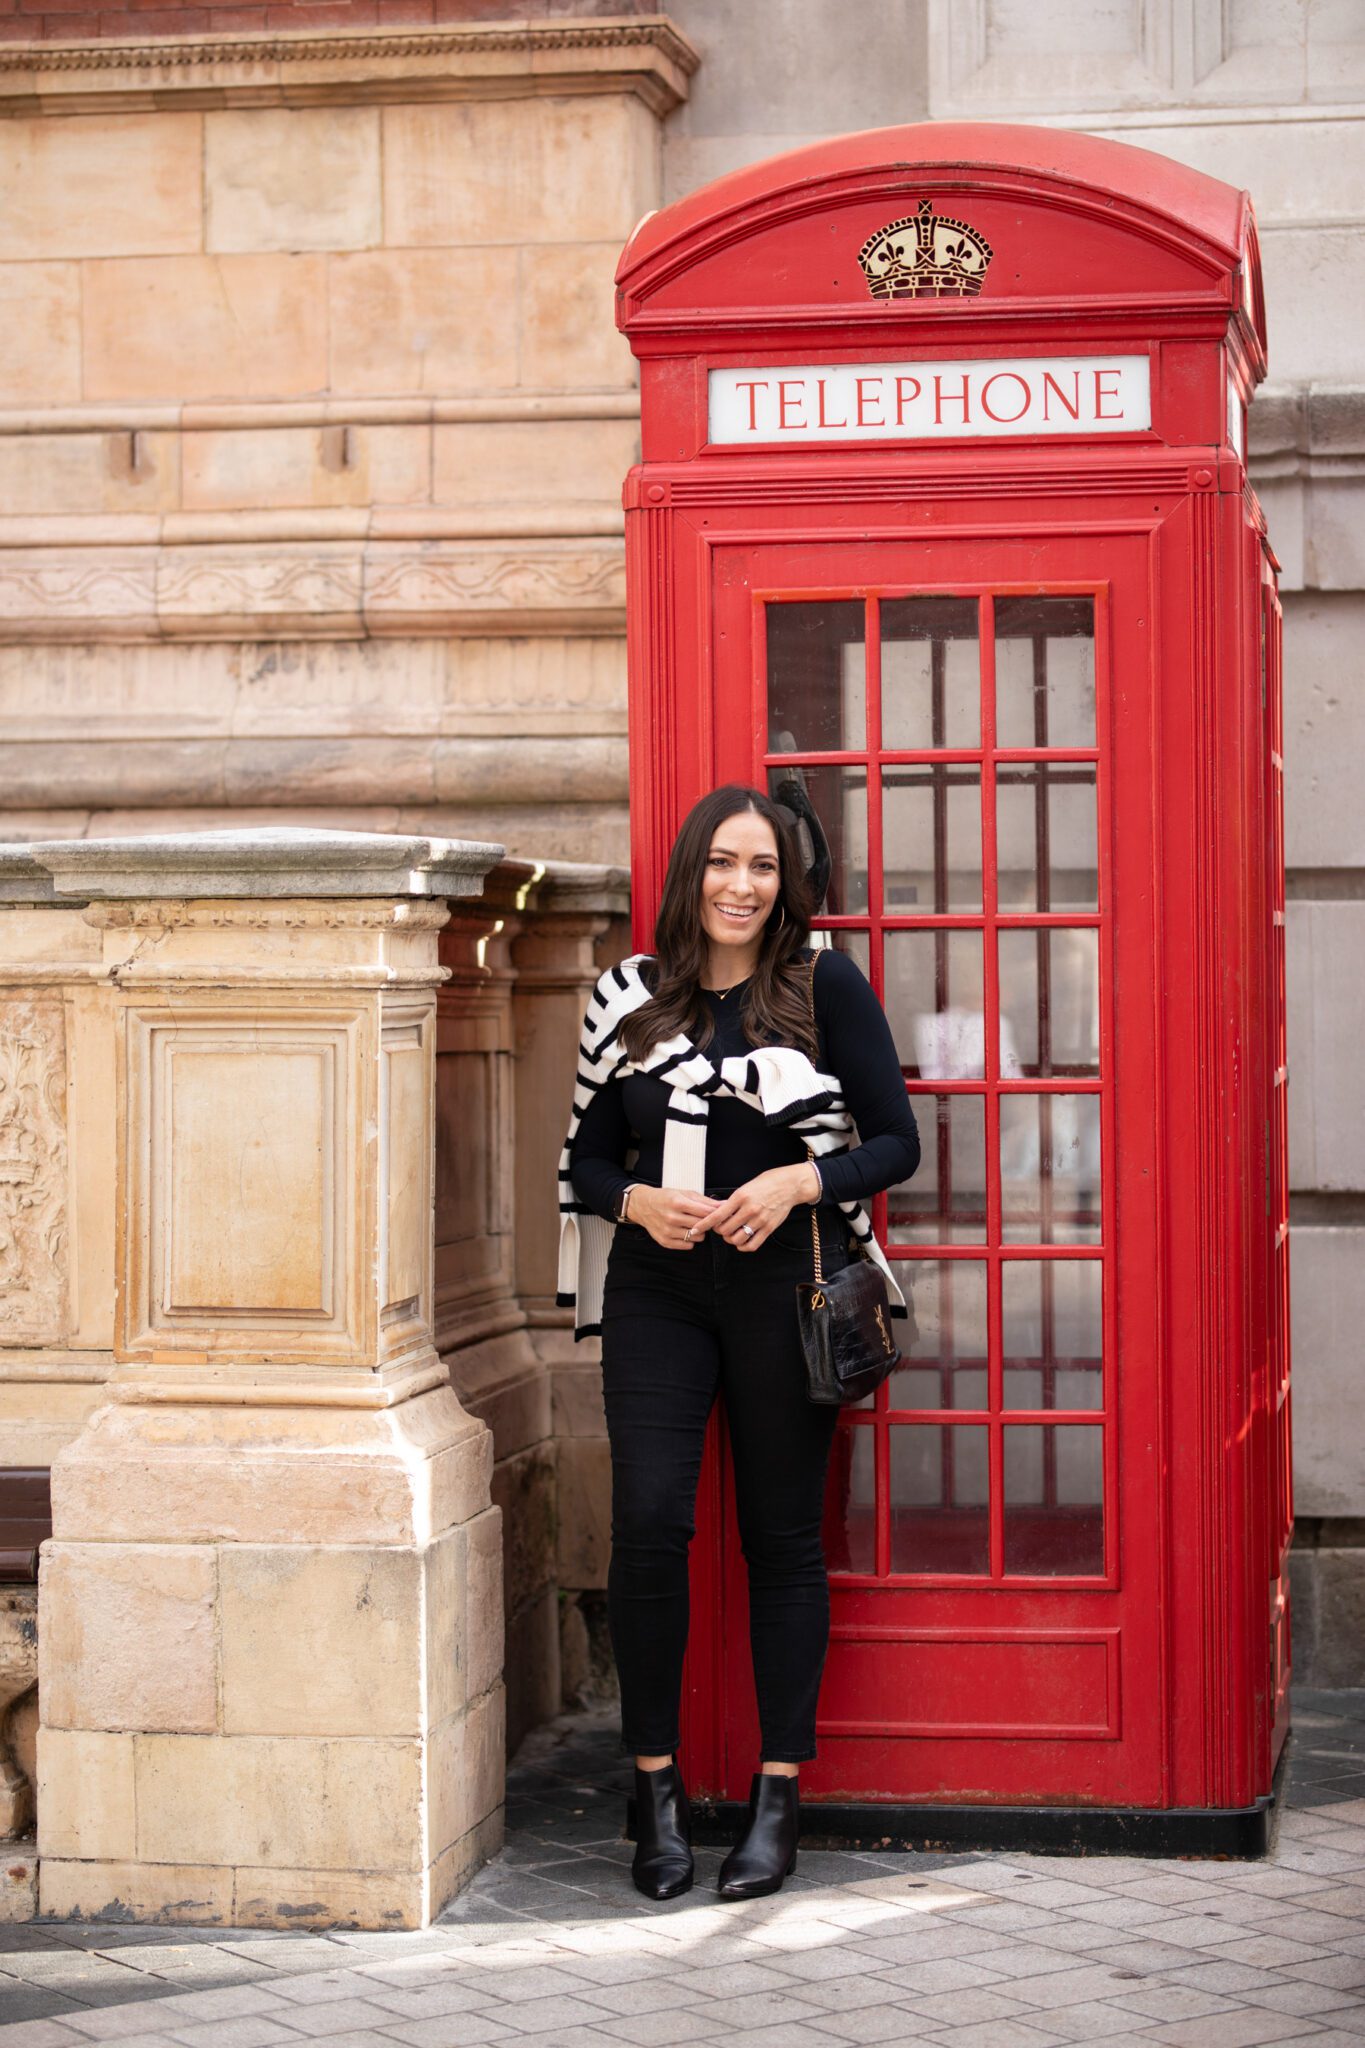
<point x="943" y="511"/>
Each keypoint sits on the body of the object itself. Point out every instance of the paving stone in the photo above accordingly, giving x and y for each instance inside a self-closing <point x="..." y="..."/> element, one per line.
<point x="42" y="2033"/>
<point x="1067" y="1987"/>
<point x="1244" y="2029"/>
<point x="1173" y="2002"/>
<point x="247" y="2031"/>
<point x="452" y="2030"/>
<point x="651" y="1994"/>
<point x="1296" y="1996"/>
<point x="930" y="1943"/>
<point x="874" y="2023"/>
<point x="660" y="2029"/>
<point x="1346" y="1971"/>
<point x="230" y="2001"/>
<point x="113" y="2022"/>
<point x="531" y="2016"/>
<point x="1077" y="1937"/>
<point x="1230" y="1977"/>
<point x="965" y="2008"/>
<point x="999" y="2034"/>
<point x="341" y="2016"/>
<point x="1266" y="1951"/>
<point x="914" y="1979"/>
<point x="320" y="1987"/>
<point x="827" y="1965"/>
<point x="852" y="1994"/>
<point x="760" y="2009"/>
<point x="1095" y="2020"/>
<point x="1142" y="1958"/>
<point x="432" y="2002"/>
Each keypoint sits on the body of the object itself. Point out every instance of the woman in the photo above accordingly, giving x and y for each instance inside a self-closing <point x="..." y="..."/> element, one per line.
<point x="708" y="1122"/>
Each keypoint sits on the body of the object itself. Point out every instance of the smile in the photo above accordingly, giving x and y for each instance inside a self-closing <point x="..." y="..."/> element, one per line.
<point x="739" y="916"/>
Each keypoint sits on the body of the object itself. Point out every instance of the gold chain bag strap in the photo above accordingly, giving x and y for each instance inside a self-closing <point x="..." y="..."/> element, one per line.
<point x="845" y="1319"/>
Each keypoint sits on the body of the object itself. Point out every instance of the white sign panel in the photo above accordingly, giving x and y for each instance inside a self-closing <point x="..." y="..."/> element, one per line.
<point x="801" y="403"/>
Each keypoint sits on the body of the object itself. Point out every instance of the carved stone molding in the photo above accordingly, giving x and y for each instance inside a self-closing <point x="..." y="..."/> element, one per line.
<point x="329" y="589"/>
<point x="33" y="1171"/>
<point x="647" y="56"/>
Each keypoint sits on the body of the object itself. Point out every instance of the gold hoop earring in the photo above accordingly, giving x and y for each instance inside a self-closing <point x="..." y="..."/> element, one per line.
<point x="782" y="916"/>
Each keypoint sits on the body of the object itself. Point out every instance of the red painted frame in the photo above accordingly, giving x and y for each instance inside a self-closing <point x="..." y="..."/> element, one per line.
<point x="1187" y="1703"/>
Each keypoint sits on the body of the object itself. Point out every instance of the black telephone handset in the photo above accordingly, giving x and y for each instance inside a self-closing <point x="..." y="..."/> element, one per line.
<point x="791" y="794"/>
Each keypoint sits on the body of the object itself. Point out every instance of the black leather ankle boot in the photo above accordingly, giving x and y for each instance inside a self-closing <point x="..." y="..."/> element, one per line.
<point x="662" y="1866"/>
<point x="766" y="1852"/>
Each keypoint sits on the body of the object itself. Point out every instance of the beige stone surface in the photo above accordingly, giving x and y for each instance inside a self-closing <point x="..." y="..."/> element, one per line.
<point x="483" y="1603"/>
<point x="504" y="1383"/>
<point x="268" y="1167"/>
<point x="19" y="1882"/>
<point x="578" y="1409"/>
<point x="468" y="1766"/>
<point x="583" y="1510"/>
<point x="205" y="327"/>
<point x="568" y="328"/>
<point x="128" y="1636"/>
<point x="40" y="1415"/>
<point x="296" y="178"/>
<point x="427" y="320"/>
<point x="542" y="460"/>
<point x="86" y="1797"/>
<point x="404" y="1088"/>
<point x="524" y="1488"/>
<point x="174" y="1894"/>
<point x="1325" y="957"/>
<point x="320" y="1899"/>
<point x="54" y="474"/>
<point x="250" y="468"/>
<point x="447" y="1626"/>
<point x="1327" y="1299"/>
<point x="40" y="333"/>
<point x="122" y="185"/>
<point x="518" y="171"/>
<point x="534" y="1682"/>
<point x="300" y="1802"/>
<point x="274" y="1474"/>
<point x="322" y="1640"/>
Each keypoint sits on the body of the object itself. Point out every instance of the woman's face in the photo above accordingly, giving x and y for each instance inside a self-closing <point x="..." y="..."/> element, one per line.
<point x="739" y="887"/>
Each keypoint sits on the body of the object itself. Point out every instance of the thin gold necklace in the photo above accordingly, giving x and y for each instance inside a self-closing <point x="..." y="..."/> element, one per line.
<point x="724" y="992"/>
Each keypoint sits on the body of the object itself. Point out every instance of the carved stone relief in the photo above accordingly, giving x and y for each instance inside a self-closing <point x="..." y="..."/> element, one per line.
<point x="33" y="1172"/>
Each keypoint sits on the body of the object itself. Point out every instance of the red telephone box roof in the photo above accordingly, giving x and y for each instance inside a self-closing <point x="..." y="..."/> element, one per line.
<point x="1074" y="221"/>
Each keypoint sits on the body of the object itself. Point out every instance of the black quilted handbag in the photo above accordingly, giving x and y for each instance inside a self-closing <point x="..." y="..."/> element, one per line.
<point x="846" y="1319"/>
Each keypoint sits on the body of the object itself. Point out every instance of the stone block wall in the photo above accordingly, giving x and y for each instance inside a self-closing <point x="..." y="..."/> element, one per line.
<point x="313" y="420"/>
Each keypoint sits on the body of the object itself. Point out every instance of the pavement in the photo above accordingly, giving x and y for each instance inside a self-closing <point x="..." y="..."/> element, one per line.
<point x="551" y="1945"/>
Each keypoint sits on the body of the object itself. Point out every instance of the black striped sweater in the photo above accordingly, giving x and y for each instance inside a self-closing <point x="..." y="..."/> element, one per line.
<point x="777" y="1081"/>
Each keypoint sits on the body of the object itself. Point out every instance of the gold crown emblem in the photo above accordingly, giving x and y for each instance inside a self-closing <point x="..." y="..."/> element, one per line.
<point x="925" y="257"/>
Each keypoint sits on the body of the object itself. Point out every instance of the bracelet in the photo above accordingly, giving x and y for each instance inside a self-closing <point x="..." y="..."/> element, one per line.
<point x="624" y="1204"/>
<point x="820" y="1178"/>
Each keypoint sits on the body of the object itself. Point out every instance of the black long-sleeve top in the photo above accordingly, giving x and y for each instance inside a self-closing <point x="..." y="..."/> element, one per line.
<point x="855" y="1044"/>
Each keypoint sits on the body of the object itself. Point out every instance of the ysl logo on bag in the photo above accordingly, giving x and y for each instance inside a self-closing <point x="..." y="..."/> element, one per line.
<point x="817" y="1299"/>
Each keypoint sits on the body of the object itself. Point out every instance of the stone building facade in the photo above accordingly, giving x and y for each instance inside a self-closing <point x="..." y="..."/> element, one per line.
<point x="313" y="416"/>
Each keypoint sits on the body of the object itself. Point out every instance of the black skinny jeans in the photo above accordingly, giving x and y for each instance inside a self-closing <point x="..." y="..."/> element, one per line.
<point x="677" y="1327"/>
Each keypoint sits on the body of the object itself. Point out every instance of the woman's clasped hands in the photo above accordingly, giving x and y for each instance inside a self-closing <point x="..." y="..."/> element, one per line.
<point x="678" y="1219"/>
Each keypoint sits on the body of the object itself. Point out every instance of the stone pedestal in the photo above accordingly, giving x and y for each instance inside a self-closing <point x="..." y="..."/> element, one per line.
<point x="270" y="1640"/>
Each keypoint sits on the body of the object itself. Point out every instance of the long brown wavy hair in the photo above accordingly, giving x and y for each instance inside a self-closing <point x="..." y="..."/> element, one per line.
<point x="773" y="1006"/>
